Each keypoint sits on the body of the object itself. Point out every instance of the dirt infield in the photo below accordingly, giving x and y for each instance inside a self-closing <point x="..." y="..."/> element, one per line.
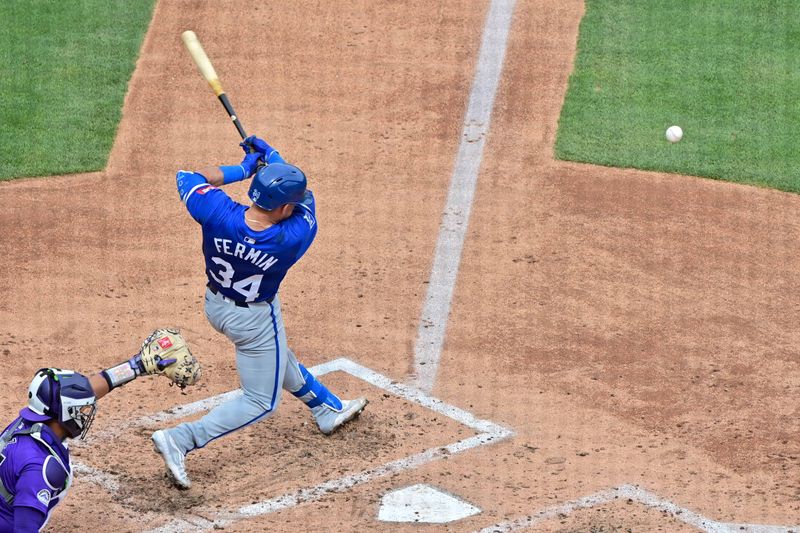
<point x="631" y="328"/>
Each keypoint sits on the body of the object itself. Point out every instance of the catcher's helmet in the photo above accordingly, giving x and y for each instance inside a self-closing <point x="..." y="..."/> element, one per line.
<point x="277" y="184"/>
<point x="62" y="395"/>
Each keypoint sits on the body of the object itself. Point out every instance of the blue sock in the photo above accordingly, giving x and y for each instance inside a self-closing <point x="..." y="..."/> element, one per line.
<point x="313" y="393"/>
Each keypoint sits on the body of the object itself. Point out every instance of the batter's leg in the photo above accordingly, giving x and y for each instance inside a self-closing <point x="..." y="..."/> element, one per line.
<point x="261" y="357"/>
<point x="329" y="411"/>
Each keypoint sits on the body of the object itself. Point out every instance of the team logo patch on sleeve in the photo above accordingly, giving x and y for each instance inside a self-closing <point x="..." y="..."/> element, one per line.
<point x="205" y="189"/>
<point x="43" y="496"/>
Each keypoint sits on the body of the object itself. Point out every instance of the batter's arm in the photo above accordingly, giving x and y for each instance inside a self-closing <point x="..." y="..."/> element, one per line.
<point x="213" y="176"/>
<point x="203" y="200"/>
<point x="188" y="182"/>
<point x="216" y="176"/>
<point x="224" y="174"/>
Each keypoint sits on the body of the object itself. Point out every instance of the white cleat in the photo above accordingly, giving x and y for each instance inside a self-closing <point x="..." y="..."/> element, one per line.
<point x="172" y="457"/>
<point x="329" y="419"/>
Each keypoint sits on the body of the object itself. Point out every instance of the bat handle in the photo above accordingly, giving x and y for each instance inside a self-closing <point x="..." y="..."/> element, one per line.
<point x="229" y="108"/>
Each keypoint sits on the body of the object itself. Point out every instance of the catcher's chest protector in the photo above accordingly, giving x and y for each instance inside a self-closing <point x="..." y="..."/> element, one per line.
<point x="35" y="432"/>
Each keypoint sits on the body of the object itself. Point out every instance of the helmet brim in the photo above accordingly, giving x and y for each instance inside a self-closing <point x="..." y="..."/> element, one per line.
<point x="28" y="414"/>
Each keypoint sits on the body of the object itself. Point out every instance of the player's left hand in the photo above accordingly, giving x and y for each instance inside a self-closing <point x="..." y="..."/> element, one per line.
<point x="165" y="352"/>
<point x="256" y="144"/>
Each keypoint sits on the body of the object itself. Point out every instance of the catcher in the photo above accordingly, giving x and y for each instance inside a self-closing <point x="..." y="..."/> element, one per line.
<point x="35" y="468"/>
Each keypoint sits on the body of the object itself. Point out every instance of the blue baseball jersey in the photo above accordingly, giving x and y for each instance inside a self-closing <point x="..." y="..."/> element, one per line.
<point x="32" y="474"/>
<point x="245" y="265"/>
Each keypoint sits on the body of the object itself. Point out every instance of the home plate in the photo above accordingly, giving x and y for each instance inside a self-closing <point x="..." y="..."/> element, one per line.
<point x="423" y="503"/>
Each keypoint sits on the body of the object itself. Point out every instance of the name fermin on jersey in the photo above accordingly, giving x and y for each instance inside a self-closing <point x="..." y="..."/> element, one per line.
<point x="259" y="258"/>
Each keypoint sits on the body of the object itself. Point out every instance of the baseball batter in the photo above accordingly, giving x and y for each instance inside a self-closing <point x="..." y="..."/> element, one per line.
<point x="35" y="467"/>
<point x="248" y="250"/>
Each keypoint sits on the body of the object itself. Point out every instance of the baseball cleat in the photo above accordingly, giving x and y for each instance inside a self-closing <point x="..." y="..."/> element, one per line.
<point x="330" y="420"/>
<point x="172" y="457"/>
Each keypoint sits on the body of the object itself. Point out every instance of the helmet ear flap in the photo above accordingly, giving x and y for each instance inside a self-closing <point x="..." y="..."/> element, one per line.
<point x="53" y="403"/>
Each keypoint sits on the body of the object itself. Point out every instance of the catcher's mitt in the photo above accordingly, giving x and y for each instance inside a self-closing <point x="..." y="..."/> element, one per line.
<point x="165" y="352"/>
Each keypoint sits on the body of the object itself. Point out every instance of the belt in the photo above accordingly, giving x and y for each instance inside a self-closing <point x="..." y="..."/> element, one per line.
<point x="238" y="304"/>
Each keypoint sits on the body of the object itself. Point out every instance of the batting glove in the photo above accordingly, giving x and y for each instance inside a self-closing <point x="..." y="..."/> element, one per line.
<point x="255" y="144"/>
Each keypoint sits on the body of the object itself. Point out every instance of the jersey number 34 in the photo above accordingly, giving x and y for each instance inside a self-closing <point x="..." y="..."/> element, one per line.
<point x="248" y="287"/>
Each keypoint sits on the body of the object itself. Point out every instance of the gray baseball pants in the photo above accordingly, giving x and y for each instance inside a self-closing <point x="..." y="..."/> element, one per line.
<point x="264" y="362"/>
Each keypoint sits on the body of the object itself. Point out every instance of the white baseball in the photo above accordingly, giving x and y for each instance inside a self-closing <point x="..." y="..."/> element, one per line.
<point x="674" y="134"/>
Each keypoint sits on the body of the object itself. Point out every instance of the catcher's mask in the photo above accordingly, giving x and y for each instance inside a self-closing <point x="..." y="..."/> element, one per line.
<point x="62" y="395"/>
<point x="277" y="184"/>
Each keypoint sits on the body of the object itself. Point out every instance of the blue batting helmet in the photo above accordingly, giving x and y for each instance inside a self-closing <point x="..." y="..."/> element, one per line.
<point x="64" y="396"/>
<point x="277" y="184"/>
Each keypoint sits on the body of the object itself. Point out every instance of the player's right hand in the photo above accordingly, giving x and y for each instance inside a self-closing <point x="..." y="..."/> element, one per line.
<point x="251" y="162"/>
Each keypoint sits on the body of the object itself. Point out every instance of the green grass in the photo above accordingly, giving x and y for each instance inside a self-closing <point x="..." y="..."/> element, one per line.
<point x="64" y="70"/>
<point x="726" y="71"/>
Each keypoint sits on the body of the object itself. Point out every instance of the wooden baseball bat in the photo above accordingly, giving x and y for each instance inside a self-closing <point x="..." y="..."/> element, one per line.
<point x="208" y="72"/>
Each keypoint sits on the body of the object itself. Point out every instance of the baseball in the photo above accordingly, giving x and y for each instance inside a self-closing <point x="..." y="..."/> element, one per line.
<point x="674" y="134"/>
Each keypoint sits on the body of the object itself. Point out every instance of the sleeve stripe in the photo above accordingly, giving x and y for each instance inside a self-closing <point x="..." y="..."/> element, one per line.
<point x="188" y="194"/>
<point x="306" y="208"/>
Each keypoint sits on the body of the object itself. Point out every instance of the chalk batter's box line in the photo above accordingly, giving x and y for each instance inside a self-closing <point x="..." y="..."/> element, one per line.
<point x="488" y="433"/>
<point x="643" y="497"/>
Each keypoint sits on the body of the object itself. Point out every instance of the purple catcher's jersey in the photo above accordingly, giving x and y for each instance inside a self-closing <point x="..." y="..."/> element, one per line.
<point x="31" y="473"/>
<point x="243" y="264"/>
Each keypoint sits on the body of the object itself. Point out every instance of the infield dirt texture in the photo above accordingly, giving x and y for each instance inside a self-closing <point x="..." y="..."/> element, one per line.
<point x="630" y="328"/>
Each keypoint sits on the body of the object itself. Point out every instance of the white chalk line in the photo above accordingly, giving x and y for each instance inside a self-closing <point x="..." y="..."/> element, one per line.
<point x="488" y="433"/>
<point x="455" y="217"/>
<point x="342" y="484"/>
<point x="110" y="482"/>
<point x="639" y="495"/>
<point x="417" y="396"/>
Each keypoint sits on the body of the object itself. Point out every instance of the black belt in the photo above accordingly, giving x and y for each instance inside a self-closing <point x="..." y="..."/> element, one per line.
<point x="238" y="304"/>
